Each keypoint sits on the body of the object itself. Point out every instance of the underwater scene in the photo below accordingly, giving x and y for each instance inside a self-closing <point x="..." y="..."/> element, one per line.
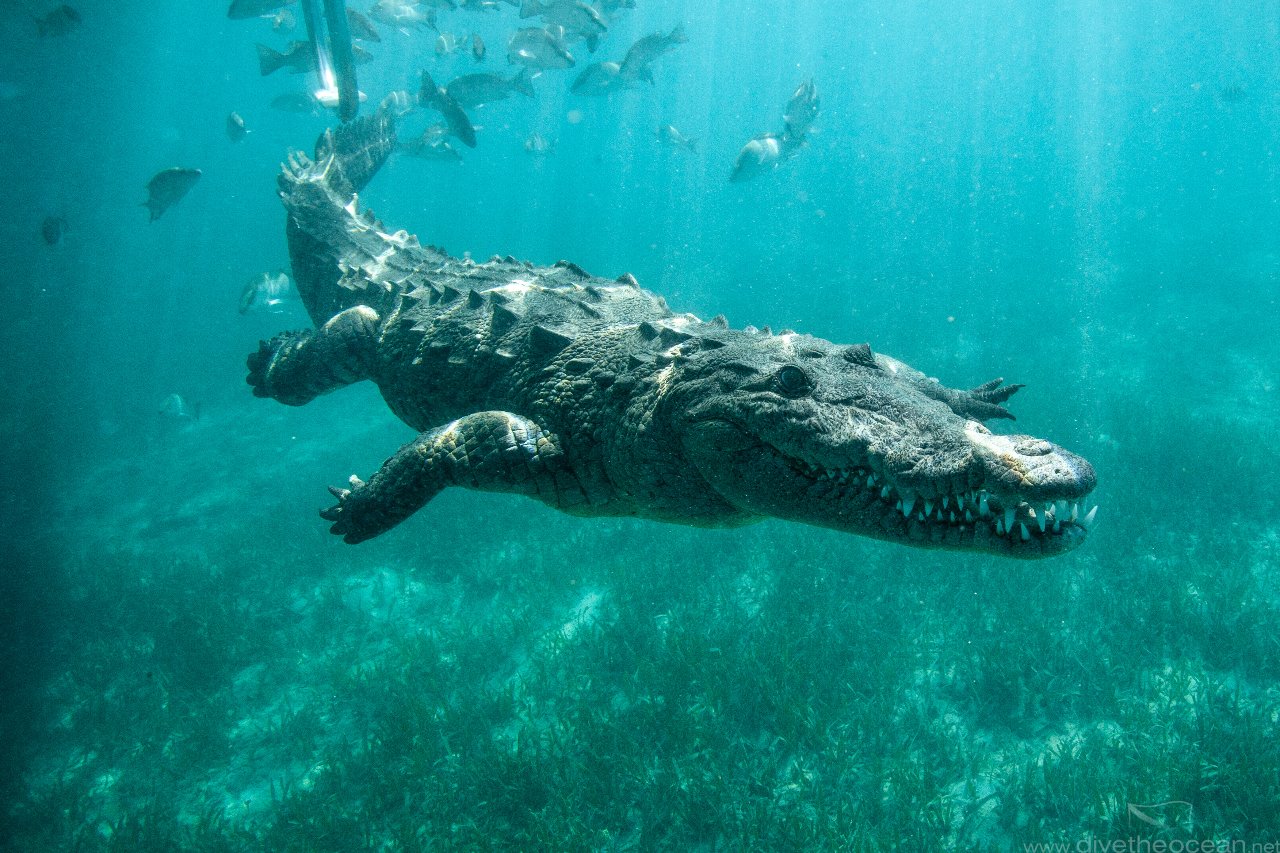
<point x="644" y="473"/>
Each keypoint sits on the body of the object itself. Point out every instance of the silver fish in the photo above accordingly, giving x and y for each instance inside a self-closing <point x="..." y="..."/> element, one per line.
<point x="267" y="291"/>
<point x="536" y="47"/>
<point x="802" y="109"/>
<point x="299" y="57"/>
<point x="167" y="188"/>
<point x="397" y="13"/>
<point x="668" y="134"/>
<point x="432" y="145"/>
<point x="174" y="408"/>
<point x="361" y="27"/>
<point x="573" y="15"/>
<point x="243" y="9"/>
<point x="236" y="130"/>
<point x="758" y="156"/>
<point x="438" y="97"/>
<point x="447" y="44"/>
<point x="538" y="145"/>
<point x="649" y="48"/>
<point x="473" y="90"/>
<point x="477" y="47"/>
<point x="598" y="78"/>
<point x="296" y="102"/>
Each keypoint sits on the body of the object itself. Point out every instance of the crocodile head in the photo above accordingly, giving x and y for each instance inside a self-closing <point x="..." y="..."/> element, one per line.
<point x="799" y="428"/>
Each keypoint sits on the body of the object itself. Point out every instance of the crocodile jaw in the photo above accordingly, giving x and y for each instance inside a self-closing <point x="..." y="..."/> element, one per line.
<point x="1019" y="496"/>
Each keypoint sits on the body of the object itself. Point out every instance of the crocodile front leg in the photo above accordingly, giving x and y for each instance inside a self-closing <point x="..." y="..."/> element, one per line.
<point x="297" y="367"/>
<point x="493" y="451"/>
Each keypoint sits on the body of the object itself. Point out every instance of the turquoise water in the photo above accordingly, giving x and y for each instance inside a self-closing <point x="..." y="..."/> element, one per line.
<point x="1079" y="197"/>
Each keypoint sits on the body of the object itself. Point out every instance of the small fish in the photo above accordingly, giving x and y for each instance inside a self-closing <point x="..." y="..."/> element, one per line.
<point x="174" y="408"/>
<point x="284" y="21"/>
<point x="397" y="13"/>
<point x="299" y="57"/>
<point x="447" y="44"/>
<point x="649" y="48"/>
<point x="668" y="134"/>
<point x="296" y="102"/>
<point x="537" y="145"/>
<point x="244" y="9"/>
<point x="574" y="15"/>
<point x="538" y="48"/>
<point x="432" y="145"/>
<point x="431" y="95"/>
<point x="361" y="27"/>
<point x="267" y="291"/>
<point x="52" y="229"/>
<point x="1232" y="93"/>
<point x="473" y="90"/>
<point x="598" y="78"/>
<point x="236" y="130"/>
<point x="802" y="109"/>
<point x="167" y="188"/>
<point x="59" y="22"/>
<point x="757" y="157"/>
<point x="477" y="47"/>
<point x="608" y="7"/>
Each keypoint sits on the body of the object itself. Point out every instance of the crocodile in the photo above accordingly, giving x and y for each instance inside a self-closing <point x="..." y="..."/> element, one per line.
<point x="593" y="396"/>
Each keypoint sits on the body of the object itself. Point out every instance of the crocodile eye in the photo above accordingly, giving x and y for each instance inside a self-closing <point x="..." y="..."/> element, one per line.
<point x="793" y="382"/>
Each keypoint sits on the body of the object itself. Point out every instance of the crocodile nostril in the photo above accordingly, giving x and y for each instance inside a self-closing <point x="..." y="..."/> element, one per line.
<point x="1033" y="447"/>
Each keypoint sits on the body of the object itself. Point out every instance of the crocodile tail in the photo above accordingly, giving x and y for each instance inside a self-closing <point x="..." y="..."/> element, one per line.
<point x="334" y="245"/>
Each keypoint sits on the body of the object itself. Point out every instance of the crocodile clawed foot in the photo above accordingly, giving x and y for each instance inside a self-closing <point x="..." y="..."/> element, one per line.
<point x="344" y="515"/>
<point x="258" y="363"/>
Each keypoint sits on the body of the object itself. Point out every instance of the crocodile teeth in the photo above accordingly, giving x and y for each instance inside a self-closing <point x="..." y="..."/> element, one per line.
<point x="1008" y="518"/>
<point x="1026" y="534"/>
<point x="1089" y="518"/>
<point x="908" y="501"/>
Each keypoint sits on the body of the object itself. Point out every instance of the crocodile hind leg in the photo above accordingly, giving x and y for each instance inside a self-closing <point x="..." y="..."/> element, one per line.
<point x="493" y="451"/>
<point x="297" y="367"/>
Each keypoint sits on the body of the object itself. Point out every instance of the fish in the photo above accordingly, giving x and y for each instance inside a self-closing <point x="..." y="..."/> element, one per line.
<point x="431" y="95"/>
<point x="758" y="156"/>
<point x="668" y="134"/>
<point x="361" y="27"/>
<point x="284" y="21"/>
<point x="802" y="109"/>
<point x="236" y="130"/>
<point x="244" y="9"/>
<point x="477" y="47"/>
<point x="598" y="78"/>
<point x="296" y="102"/>
<point x="538" y="145"/>
<point x="573" y="15"/>
<point x="432" y="145"/>
<point x="608" y="7"/>
<point x="768" y="150"/>
<point x="299" y="57"/>
<point x="52" y="229"/>
<point x="167" y="188"/>
<point x="267" y="291"/>
<point x="536" y="47"/>
<point x="649" y="48"/>
<point x="473" y="90"/>
<point x="59" y="22"/>
<point x="174" y="408"/>
<point x="447" y="44"/>
<point x="397" y="13"/>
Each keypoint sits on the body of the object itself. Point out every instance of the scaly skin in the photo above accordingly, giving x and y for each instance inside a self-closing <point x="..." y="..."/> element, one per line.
<point x="595" y="398"/>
